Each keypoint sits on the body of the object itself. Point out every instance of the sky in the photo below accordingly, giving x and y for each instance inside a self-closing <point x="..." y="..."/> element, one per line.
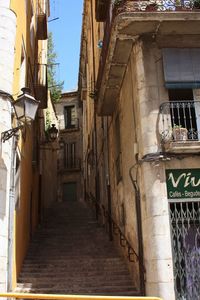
<point x="66" y="36"/>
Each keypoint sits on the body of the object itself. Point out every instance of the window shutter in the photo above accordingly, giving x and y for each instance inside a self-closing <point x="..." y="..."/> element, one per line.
<point x="181" y="67"/>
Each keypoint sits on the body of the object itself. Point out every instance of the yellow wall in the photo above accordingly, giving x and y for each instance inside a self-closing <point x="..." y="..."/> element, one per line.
<point x="26" y="215"/>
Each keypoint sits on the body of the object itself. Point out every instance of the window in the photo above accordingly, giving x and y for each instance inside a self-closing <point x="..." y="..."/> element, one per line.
<point x="71" y="160"/>
<point x="182" y="76"/>
<point x="70" y="116"/>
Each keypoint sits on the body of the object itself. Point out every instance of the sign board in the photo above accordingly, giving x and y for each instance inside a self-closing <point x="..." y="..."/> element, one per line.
<point x="183" y="184"/>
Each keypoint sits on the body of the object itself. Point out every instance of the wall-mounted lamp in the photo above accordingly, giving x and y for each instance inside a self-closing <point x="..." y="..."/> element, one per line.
<point x="53" y="133"/>
<point x="25" y="108"/>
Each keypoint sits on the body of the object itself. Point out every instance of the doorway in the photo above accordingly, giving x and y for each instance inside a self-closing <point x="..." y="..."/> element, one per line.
<point x="185" y="231"/>
<point x="69" y="191"/>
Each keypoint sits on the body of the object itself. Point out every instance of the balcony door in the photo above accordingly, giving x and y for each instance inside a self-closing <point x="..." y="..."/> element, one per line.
<point x="184" y="111"/>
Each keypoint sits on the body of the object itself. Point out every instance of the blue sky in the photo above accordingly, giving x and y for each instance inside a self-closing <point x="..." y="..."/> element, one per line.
<point x="66" y="35"/>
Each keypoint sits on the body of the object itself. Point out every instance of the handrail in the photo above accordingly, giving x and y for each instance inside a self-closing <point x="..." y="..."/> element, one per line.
<point x="123" y="240"/>
<point x="71" y="297"/>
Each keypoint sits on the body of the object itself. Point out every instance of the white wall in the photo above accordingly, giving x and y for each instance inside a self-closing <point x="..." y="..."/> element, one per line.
<point x="7" y="43"/>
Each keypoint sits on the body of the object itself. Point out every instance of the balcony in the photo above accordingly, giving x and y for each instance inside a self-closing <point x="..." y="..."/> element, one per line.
<point x="42" y="15"/>
<point x="41" y="86"/>
<point x="180" y="126"/>
<point x="128" y="20"/>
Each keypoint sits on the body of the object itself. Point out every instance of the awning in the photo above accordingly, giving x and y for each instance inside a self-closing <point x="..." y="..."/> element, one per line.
<point x="181" y="68"/>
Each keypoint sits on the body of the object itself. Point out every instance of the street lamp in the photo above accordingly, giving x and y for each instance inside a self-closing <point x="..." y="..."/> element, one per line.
<point x="53" y="132"/>
<point x="25" y="106"/>
<point x="25" y="109"/>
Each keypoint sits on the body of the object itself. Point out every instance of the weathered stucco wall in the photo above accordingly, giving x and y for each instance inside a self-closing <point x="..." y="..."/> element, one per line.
<point x="7" y="43"/>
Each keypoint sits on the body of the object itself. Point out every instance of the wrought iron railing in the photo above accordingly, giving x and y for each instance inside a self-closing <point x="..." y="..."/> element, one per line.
<point x="180" y="121"/>
<point x="70" y="297"/>
<point x="111" y="224"/>
<point x="154" y="5"/>
<point x="123" y="241"/>
<point x="121" y="6"/>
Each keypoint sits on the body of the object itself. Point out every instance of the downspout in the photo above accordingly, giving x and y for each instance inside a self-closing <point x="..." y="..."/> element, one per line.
<point x="109" y="198"/>
<point x="11" y="215"/>
<point x="139" y="230"/>
<point x="138" y="205"/>
<point x="95" y="125"/>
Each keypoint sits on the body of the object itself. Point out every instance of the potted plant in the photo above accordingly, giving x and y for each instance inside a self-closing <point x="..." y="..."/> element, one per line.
<point x="152" y="6"/>
<point x="179" y="133"/>
<point x="196" y="4"/>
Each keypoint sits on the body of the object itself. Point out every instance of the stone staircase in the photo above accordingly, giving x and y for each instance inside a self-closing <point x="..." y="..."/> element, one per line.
<point x="71" y="254"/>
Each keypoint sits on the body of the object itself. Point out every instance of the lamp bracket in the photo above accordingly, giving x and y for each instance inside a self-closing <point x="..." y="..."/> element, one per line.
<point x="6" y="135"/>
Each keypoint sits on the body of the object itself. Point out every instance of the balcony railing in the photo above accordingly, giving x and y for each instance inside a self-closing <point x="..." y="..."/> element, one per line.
<point x="180" y="121"/>
<point x="154" y="5"/>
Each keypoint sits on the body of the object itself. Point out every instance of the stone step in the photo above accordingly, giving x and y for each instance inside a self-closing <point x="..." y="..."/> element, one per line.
<point x="28" y="276"/>
<point x="73" y="265"/>
<point x="45" y="283"/>
<point x="77" y="290"/>
<point x="71" y="254"/>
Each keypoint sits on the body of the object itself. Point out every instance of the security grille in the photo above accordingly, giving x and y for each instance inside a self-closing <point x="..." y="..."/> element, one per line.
<point x="185" y="229"/>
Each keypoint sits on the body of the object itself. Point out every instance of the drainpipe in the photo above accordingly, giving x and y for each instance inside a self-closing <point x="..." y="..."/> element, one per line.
<point x="139" y="231"/>
<point x="11" y="214"/>
<point x="95" y="125"/>
<point x="108" y="188"/>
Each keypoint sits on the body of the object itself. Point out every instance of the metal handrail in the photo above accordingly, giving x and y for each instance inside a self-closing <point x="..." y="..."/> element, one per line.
<point x="116" y="229"/>
<point x="71" y="297"/>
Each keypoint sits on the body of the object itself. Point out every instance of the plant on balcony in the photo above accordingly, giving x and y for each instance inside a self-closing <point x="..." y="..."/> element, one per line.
<point x="196" y="4"/>
<point x="117" y="2"/>
<point x="153" y="6"/>
<point x="179" y="133"/>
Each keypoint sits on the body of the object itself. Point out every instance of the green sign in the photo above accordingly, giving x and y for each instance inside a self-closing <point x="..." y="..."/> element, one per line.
<point x="183" y="183"/>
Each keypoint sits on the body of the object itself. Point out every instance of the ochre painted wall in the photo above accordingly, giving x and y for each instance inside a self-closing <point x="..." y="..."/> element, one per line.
<point x="26" y="214"/>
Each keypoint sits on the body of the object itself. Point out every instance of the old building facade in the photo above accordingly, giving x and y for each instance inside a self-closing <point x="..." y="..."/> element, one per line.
<point x="69" y="168"/>
<point x="139" y="83"/>
<point x="23" y="56"/>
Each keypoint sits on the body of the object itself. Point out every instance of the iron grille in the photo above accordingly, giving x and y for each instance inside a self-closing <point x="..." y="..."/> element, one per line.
<point x="185" y="229"/>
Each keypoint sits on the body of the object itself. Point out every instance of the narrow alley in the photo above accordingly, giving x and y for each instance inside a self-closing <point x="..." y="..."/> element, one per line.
<point x="71" y="254"/>
<point x="100" y="181"/>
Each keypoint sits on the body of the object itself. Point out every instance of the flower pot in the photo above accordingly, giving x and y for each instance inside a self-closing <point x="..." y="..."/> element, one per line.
<point x="151" y="7"/>
<point x="180" y="134"/>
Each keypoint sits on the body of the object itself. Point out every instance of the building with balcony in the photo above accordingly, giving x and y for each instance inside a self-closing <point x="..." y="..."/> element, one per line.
<point x="139" y="82"/>
<point x="69" y="164"/>
<point x="21" y="50"/>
